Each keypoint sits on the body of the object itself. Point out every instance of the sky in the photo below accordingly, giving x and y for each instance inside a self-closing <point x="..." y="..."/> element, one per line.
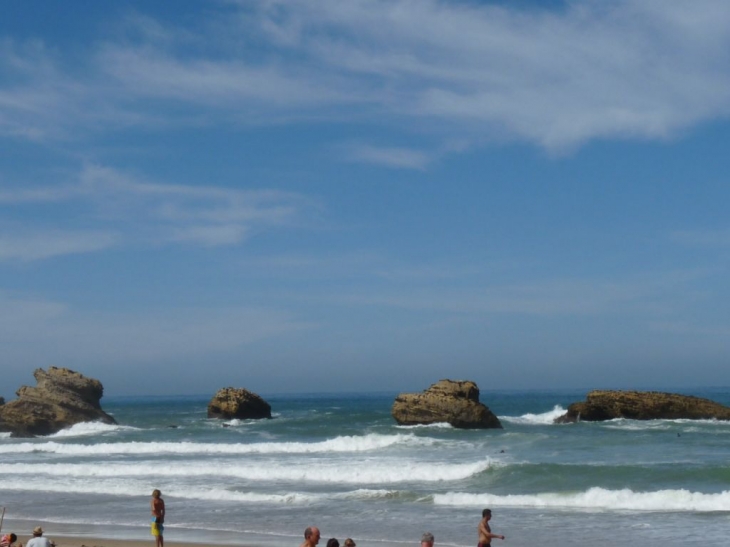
<point x="299" y="196"/>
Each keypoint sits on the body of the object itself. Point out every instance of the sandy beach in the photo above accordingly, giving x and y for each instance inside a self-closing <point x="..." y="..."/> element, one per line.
<point x="76" y="535"/>
<point x="136" y="538"/>
<point x="88" y="541"/>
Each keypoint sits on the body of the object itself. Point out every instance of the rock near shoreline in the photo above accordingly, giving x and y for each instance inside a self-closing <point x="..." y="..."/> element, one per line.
<point x="61" y="398"/>
<point x="643" y="405"/>
<point x="450" y="401"/>
<point x="230" y="402"/>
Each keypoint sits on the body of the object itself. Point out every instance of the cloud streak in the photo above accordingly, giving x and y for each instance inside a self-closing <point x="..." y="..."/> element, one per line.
<point x="406" y="158"/>
<point x="117" y="209"/>
<point x="47" y="331"/>
<point x="557" y="79"/>
<point x="27" y="247"/>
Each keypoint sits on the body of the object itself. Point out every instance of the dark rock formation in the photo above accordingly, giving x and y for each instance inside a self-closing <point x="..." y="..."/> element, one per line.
<point x="456" y="403"/>
<point x="643" y="405"/>
<point x="60" y="399"/>
<point x="231" y="402"/>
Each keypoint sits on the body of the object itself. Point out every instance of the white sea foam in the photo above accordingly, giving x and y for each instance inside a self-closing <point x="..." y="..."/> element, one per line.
<point x="437" y="425"/>
<point x="366" y="493"/>
<point x="345" y="472"/>
<point x="338" y="444"/>
<point x="5" y="435"/>
<point x="545" y="418"/>
<point x="91" y="428"/>
<point x="141" y="488"/>
<point x="598" y="499"/>
<point x="663" y="425"/>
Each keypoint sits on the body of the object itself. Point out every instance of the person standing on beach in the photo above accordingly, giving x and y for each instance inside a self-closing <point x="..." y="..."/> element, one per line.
<point x="157" y="506"/>
<point x="311" y="537"/>
<point x="8" y="540"/>
<point x="485" y="532"/>
<point x="38" y="540"/>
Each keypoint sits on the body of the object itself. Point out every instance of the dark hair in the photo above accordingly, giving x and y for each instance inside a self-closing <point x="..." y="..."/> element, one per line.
<point x="332" y="542"/>
<point x="13" y="538"/>
<point x="486" y="512"/>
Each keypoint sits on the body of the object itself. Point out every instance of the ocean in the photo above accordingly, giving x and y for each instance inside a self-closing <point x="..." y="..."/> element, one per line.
<point x="340" y="462"/>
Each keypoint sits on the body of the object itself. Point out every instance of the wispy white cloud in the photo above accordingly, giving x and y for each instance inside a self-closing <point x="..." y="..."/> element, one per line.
<point x="45" y="332"/>
<point x="118" y="209"/>
<point x="370" y="265"/>
<point x="51" y="243"/>
<point x="692" y="330"/>
<point x="657" y="296"/>
<point x="703" y="238"/>
<point x="407" y="158"/>
<point x="556" y="78"/>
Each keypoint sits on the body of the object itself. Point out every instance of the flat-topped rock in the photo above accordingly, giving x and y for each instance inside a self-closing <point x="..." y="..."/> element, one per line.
<point x="60" y="399"/>
<point x="230" y="402"/>
<point x="450" y="401"/>
<point x="643" y="405"/>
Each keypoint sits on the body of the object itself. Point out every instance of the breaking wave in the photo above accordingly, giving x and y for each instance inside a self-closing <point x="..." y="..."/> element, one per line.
<point x="546" y="418"/>
<point x="347" y="472"/>
<point x="599" y="499"/>
<point x="338" y="444"/>
<point x="90" y="428"/>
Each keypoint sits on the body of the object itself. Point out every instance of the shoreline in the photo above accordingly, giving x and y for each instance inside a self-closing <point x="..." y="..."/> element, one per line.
<point x="96" y="535"/>
<point x="93" y="541"/>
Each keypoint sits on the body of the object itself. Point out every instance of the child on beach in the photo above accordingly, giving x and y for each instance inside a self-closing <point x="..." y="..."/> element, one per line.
<point x="157" y="506"/>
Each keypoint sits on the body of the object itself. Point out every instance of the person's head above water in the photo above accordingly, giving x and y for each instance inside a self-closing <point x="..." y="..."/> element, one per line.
<point x="427" y="539"/>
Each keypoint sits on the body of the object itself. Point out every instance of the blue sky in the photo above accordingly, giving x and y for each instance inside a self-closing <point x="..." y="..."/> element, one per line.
<point x="297" y="196"/>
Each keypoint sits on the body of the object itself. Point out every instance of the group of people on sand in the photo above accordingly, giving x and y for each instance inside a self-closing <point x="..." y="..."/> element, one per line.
<point x="38" y="540"/>
<point x="312" y="535"/>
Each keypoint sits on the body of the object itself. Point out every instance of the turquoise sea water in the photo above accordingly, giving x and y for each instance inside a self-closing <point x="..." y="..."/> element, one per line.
<point x="342" y="463"/>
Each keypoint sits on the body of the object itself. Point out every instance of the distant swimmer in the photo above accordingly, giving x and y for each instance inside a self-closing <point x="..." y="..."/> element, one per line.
<point x="427" y="539"/>
<point x="157" y="507"/>
<point x="485" y="532"/>
<point x="311" y="536"/>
